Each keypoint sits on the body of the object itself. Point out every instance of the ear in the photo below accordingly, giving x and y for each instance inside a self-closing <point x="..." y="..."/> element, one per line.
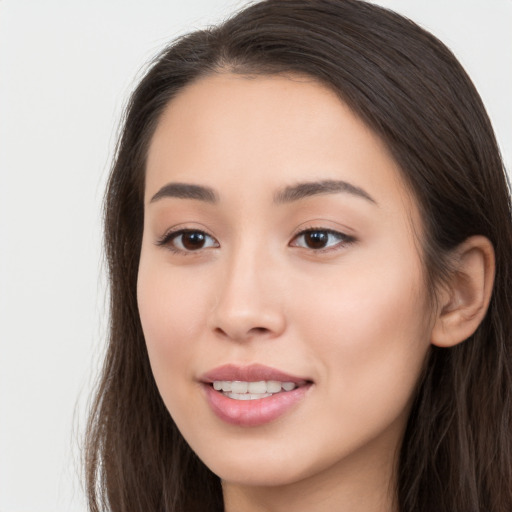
<point x="464" y="301"/>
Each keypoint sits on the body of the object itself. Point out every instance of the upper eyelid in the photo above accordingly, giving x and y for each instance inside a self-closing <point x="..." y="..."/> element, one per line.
<point x="327" y="230"/>
<point x="302" y="230"/>
<point x="184" y="228"/>
<point x="323" y="224"/>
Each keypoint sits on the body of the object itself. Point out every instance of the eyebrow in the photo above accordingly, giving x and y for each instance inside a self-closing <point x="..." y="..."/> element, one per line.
<point x="313" y="188"/>
<point x="186" y="191"/>
<point x="287" y="195"/>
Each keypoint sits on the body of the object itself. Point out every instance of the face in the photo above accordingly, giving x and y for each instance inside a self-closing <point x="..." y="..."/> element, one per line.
<point x="280" y="286"/>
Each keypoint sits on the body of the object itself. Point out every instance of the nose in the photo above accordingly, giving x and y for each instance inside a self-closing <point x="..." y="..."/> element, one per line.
<point x="248" y="304"/>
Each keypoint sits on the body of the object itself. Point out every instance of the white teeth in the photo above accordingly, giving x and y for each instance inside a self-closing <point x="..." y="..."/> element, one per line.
<point x="288" y="386"/>
<point x="224" y="385"/>
<point x="257" y="387"/>
<point x="273" y="386"/>
<point x="248" y="396"/>
<point x="239" y="386"/>
<point x="243" y="390"/>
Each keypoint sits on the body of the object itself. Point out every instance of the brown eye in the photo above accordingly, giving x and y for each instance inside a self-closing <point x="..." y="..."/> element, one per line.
<point x="318" y="239"/>
<point x="193" y="240"/>
<point x="188" y="240"/>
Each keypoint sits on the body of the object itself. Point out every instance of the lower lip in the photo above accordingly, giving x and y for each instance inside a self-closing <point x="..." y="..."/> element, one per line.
<point x="252" y="413"/>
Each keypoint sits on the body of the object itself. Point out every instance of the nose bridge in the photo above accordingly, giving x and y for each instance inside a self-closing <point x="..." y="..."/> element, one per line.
<point x="247" y="303"/>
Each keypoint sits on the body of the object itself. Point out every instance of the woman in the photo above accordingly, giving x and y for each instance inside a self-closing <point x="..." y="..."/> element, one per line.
<point x="309" y="240"/>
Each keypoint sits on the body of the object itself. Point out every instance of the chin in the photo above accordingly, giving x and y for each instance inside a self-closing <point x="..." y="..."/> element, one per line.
<point x="260" y="475"/>
<point x="252" y="464"/>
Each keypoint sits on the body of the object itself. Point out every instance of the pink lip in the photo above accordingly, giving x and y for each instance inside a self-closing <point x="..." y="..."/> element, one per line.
<point x="251" y="373"/>
<point x="252" y="413"/>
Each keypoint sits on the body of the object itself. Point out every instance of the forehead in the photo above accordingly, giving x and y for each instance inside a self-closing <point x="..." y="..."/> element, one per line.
<point x="268" y="131"/>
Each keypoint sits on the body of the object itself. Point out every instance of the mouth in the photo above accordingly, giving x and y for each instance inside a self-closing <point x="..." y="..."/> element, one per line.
<point x="252" y="395"/>
<point x="244" y="390"/>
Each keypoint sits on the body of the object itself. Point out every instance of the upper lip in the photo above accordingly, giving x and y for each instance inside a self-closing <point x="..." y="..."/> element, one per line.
<point x="249" y="373"/>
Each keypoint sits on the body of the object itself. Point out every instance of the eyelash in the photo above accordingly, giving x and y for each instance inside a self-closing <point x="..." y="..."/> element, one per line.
<point x="169" y="237"/>
<point x="343" y="239"/>
<point x="167" y="240"/>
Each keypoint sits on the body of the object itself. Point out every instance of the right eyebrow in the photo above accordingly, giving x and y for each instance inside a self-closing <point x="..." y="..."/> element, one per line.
<point x="186" y="191"/>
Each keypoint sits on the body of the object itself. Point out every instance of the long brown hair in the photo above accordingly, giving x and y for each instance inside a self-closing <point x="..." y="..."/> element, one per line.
<point x="456" y="455"/>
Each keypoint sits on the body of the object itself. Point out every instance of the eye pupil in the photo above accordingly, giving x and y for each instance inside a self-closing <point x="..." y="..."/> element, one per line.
<point x="193" y="240"/>
<point x="316" y="239"/>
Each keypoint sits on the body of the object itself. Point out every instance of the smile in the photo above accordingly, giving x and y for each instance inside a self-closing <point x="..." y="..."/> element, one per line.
<point x="243" y="390"/>
<point x="249" y="396"/>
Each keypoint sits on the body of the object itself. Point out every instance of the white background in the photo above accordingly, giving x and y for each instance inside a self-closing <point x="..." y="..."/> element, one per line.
<point x="66" y="68"/>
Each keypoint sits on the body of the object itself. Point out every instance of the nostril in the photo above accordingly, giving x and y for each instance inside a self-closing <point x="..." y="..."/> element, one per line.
<point x="254" y="331"/>
<point x="258" y="330"/>
<point x="220" y="331"/>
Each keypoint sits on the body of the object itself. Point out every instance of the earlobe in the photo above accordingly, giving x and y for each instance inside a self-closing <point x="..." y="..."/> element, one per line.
<point x="463" y="302"/>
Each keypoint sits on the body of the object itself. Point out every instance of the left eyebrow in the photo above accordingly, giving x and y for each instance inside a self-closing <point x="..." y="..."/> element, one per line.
<point x="313" y="188"/>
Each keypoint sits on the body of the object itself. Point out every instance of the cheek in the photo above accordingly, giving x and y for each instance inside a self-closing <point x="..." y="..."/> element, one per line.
<point x="172" y="307"/>
<point x="372" y="332"/>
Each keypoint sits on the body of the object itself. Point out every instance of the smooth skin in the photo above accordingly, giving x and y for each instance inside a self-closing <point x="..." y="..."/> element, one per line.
<point x="327" y="285"/>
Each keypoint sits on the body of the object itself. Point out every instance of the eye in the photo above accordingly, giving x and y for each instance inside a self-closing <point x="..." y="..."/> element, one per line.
<point x="318" y="239"/>
<point x="188" y="240"/>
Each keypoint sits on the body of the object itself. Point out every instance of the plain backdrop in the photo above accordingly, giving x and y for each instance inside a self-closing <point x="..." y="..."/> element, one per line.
<point x="66" y="69"/>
